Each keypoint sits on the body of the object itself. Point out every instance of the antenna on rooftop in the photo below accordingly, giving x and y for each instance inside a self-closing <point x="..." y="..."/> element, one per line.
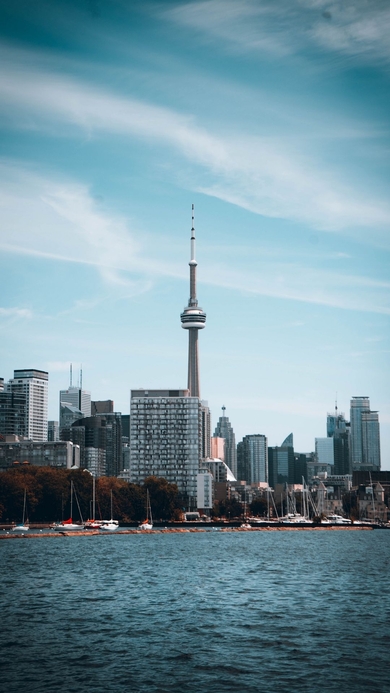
<point x="335" y="406"/>
<point x="70" y="376"/>
<point x="81" y="376"/>
<point x="223" y="410"/>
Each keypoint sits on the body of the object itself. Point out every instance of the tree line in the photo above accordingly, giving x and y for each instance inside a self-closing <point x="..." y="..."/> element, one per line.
<point x="48" y="496"/>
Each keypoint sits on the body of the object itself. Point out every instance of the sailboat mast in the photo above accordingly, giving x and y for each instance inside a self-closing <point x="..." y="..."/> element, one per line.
<point x="93" y="497"/>
<point x="71" y="499"/>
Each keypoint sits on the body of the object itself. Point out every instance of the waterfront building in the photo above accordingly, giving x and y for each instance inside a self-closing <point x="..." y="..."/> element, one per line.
<point x="204" y="490"/>
<point x="365" y="436"/>
<point x="254" y="459"/>
<point x="224" y="430"/>
<point x="166" y="439"/>
<point x="371" y="503"/>
<point x="32" y="384"/>
<point x="43" y="454"/>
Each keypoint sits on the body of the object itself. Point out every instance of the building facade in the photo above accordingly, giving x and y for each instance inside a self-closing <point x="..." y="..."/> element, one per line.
<point x="12" y="412"/>
<point x="32" y="384"/>
<point x="166" y="439"/>
<point x="365" y="436"/>
<point x="224" y="430"/>
<point x="48" y="454"/>
<point x="75" y="397"/>
<point x="254" y="459"/>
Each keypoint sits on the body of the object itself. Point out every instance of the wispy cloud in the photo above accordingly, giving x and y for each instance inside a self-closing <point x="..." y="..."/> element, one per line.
<point x="60" y="220"/>
<point x="353" y="28"/>
<point x="263" y="175"/>
<point x="24" y="313"/>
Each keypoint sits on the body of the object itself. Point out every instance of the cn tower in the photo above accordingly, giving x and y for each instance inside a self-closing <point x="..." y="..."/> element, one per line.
<point x="193" y="319"/>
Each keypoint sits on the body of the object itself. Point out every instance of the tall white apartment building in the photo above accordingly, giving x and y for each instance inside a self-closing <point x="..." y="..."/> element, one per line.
<point x="166" y="439"/>
<point x="33" y="384"/>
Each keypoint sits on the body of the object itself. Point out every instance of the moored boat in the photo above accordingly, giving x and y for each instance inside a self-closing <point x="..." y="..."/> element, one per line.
<point x="148" y="523"/>
<point x="23" y="525"/>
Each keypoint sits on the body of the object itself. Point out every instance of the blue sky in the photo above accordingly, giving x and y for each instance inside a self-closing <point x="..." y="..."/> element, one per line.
<point x="273" y="119"/>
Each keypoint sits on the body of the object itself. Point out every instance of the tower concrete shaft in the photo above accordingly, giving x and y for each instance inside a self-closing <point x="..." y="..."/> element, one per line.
<point x="193" y="319"/>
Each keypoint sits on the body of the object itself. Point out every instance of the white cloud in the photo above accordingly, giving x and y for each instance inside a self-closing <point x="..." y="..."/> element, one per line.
<point x="264" y="175"/>
<point x="60" y="220"/>
<point x="352" y="28"/>
<point x="24" y="313"/>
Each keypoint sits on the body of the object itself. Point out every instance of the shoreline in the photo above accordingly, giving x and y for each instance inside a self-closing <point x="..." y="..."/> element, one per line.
<point x="172" y="530"/>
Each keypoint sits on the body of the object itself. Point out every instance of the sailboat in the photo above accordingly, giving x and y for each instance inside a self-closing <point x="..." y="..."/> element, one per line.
<point x="109" y="525"/>
<point x="148" y="523"/>
<point x="245" y="524"/>
<point x="93" y="524"/>
<point x="69" y="525"/>
<point x="22" y="527"/>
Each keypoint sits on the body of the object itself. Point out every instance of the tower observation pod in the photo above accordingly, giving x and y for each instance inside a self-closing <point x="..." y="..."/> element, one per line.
<point x="193" y="319"/>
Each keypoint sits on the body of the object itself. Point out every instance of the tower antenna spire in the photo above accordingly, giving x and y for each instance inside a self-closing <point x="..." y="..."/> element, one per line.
<point x="70" y="376"/>
<point x="193" y="319"/>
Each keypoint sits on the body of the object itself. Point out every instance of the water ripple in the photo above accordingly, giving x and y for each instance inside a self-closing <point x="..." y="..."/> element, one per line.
<point x="183" y="613"/>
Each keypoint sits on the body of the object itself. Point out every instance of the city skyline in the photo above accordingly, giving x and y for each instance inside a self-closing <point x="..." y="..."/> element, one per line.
<point x="274" y="122"/>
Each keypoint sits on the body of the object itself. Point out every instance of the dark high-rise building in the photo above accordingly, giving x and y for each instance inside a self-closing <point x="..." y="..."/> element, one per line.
<point x="253" y="459"/>
<point x="339" y="429"/>
<point x="224" y="430"/>
<point x="100" y="440"/>
<point x="13" y="413"/>
<point x="105" y="406"/>
<point x="281" y="463"/>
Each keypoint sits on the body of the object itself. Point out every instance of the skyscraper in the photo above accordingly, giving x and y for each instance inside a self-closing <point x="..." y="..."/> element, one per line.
<point x="224" y="430"/>
<point x="365" y="436"/>
<point x="339" y="429"/>
<point x="371" y="440"/>
<point x="75" y="397"/>
<point x="281" y="463"/>
<point x="254" y="459"/>
<point x="358" y="405"/>
<point x="193" y="319"/>
<point x="166" y="439"/>
<point x="33" y="384"/>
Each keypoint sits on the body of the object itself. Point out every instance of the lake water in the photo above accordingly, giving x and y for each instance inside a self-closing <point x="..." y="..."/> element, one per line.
<point x="210" y="612"/>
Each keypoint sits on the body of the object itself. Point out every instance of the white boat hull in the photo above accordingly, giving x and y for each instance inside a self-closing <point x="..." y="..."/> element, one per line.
<point x="109" y="525"/>
<point x="68" y="528"/>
